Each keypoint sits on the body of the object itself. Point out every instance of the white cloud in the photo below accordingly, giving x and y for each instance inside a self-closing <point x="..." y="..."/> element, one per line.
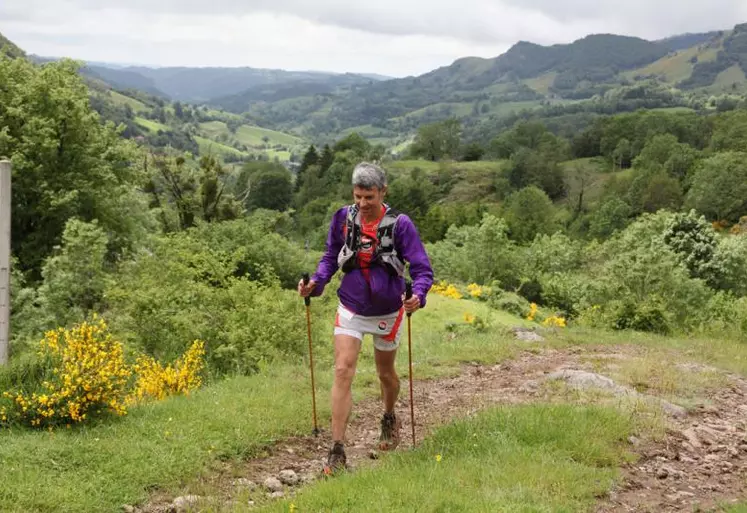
<point x="396" y="37"/>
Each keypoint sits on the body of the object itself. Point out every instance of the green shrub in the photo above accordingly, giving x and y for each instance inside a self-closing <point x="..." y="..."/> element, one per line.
<point x="556" y="253"/>
<point x="184" y="289"/>
<point x="694" y="241"/>
<point x="730" y="259"/>
<point x="637" y="265"/>
<point x="565" y="292"/>
<point x="512" y="303"/>
<point x="477" y="254"/>
<point x="251" y="246"/>
<point x="647" y="317"/>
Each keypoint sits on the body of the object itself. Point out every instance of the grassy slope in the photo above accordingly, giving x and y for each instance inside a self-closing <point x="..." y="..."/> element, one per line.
<point x="548" y="461"/>
<point x="209" y="146"/>
<point x="252" y="136"/>
<point x="458" y="110"/>
<point x="731" y="80"/>
<point x="121" y="100"/>
<point x="674" y="67"/>
<point x="248" y="135"/>
<point x="102" y="467"/>
<point x="678" y="66"/>
<point x="542" y="83"/>
<point x="153" y="126"/>
<point x="99" y="468"/>
<point x="210" y="131"/>
<point x="527" y="458"/>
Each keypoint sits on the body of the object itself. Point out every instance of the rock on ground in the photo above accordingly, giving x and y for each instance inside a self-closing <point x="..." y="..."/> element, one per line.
<point x="185" y="503"/>
<point x="245" y="483"/>
<point x="273" y="484"/>
<point x="289" y="477"/>
<point x="527" y="335"/>
<point x="585" y="380"/>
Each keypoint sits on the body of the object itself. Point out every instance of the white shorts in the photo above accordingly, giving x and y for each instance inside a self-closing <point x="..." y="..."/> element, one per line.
<point x="386" y="330"/>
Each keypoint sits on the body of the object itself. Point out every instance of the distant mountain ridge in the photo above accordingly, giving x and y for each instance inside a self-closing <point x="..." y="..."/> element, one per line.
<point x="684" y="41"/>
<point x="201" y="84"/>
<point x="527" y="76"/>
<point x="598" y="67"/>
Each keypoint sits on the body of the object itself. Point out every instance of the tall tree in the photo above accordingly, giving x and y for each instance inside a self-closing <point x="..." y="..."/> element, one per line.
<point x="529" y="212"/>
<point x="529" y="167"/>
<point x="310" y="158"/>
<point x="327" y="158"/>
<point x="437" y="141"/>
<point x="66" y="163"/>
<point x="267" y="184"/>
<point x="719" y="188"/>
<point x="189" y="192"/>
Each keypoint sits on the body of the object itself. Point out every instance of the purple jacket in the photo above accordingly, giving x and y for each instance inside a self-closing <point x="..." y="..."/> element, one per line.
<point x="384" y="295"/>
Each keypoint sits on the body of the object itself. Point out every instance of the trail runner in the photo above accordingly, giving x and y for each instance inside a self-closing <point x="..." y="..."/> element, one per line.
<point x="370" y="243"/>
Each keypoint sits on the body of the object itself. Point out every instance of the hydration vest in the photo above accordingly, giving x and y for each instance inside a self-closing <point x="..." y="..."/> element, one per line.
<point x="385" y="253"/>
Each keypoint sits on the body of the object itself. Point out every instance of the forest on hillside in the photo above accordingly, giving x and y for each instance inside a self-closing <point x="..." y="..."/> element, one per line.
<point x="633" y="220"/>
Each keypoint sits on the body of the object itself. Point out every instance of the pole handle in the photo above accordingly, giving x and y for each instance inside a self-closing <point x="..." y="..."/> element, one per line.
<point x="306" y="279"/>
<point x="408" y="293"/>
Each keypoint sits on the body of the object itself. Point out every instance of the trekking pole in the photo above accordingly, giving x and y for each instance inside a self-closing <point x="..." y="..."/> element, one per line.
<point x="307" y="301"/>
<point x="408" y="295"/>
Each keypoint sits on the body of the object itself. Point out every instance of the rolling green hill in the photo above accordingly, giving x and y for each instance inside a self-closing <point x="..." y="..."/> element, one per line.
<point x="527" y="76"/>
<point x="124" y="79"/>
<point x="8" y="48"/>
<point x="684" y="41"/>
<point x="191" y="128"/>
<point x="599" y="73"/>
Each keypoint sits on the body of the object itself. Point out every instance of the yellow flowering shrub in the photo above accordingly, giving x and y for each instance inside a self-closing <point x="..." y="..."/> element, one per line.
<point x="157" y="382"/>
<point x="532" y="311"/>
<point x="446" y="289"/>
<point x="474" y="290"/>
<point x="554" y="321"/>
<point x="87" y="375"/>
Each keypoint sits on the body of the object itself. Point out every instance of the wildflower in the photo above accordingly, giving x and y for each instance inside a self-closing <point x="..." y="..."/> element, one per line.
<point x="532" y="311"/>
<point x="469" y="318"/>
<point x="438" y="458"/>
<point x="91" y="376"/>
<point x="474" y="290"/>
<point x="447" y="290"/>
<point x="156" y="381"/>
<point x="554" y="321"/>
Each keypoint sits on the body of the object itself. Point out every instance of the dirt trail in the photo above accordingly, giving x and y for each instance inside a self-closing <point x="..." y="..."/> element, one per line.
<point x="701" y="461"/>
<point x="700" y="466"/>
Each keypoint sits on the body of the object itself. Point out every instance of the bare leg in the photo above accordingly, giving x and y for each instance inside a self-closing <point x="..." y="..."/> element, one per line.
<point x="347" y="349"/>
<point x="388" y="378"/>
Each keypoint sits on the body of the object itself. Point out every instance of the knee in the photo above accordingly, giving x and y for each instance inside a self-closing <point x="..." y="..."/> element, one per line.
<point x="344" y="371"/>
<point x="388" y="375"/>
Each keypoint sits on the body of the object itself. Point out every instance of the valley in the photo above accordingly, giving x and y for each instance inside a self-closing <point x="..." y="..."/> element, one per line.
<point x="300" y="108"/>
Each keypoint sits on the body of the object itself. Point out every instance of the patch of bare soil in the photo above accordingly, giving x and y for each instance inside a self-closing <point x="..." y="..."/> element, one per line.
<point x="700" y="466"/>
<point x="700" y="462"/>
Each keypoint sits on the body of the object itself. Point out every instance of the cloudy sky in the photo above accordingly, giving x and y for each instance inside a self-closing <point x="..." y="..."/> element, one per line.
<point x="391" y="37"/>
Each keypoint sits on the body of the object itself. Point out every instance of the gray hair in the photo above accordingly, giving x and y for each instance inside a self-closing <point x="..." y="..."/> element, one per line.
<point x="367" y="176"/>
